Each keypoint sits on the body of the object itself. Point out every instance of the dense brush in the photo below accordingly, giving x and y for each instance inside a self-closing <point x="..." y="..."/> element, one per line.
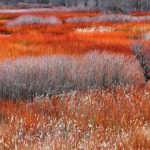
<point x="31" y="77"/>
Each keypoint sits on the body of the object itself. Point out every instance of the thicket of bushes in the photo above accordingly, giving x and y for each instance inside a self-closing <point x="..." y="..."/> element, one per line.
<point x="31" y="77"/>
<point x="30" y="19"/>
<point x="108" y="18"/>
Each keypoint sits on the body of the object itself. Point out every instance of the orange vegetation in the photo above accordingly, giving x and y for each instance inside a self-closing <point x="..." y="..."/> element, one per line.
<point x="37" y="40"/>
<point x="92" y="119"/>
<point x="98" y="119"/>
<point x="140" y="13"/>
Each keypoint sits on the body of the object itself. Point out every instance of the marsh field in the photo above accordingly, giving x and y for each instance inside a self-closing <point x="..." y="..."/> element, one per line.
<point x="70" y="80"/>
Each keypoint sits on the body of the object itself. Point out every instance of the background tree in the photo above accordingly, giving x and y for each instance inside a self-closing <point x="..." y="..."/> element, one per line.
<point x="113" y="5"/>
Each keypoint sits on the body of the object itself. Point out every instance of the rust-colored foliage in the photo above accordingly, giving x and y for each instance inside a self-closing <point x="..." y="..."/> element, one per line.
<point x="117" y="118"/>
<point x="140" y="13"/>
<point x="96" y="119"/>
<point x="37" y="40"/>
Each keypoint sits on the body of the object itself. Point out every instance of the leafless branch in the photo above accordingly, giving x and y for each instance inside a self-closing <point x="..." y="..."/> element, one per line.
<point x="142" y="53"/>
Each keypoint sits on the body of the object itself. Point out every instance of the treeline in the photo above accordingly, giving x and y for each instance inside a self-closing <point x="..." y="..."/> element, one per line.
<point x="115" y="5"/>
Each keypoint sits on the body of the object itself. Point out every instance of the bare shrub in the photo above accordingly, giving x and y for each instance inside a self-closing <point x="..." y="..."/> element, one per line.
<point x="108" y="18"/>
<point x="147" y="36"/>
<point x="29" y="19"/>
<point x="115" y="18"/>
<point x="31" y="77"/>
<point x="142" y="53"/>
<point x="79" y="19"/>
